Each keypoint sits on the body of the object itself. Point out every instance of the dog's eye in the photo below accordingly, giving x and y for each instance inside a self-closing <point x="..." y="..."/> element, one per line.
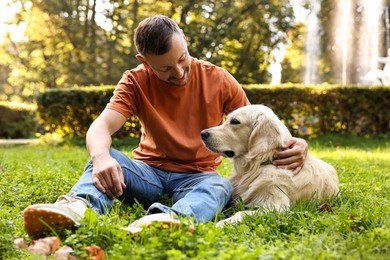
<point x="234" y="121"/>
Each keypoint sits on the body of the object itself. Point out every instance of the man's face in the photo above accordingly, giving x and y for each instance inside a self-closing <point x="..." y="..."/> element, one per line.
<point x="172" y="67"/>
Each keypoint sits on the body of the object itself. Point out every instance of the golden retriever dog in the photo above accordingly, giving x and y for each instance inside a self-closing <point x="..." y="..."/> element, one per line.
<point x="250" y="136"/>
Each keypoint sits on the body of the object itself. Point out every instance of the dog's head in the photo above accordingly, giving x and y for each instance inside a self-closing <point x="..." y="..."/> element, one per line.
<point x="252" y="131"/>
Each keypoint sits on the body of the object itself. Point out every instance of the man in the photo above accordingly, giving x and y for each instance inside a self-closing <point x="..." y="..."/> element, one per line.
<point x="175" y="97"/>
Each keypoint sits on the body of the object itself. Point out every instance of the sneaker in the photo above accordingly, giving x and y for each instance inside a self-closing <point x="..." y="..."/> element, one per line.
<point x="65" y="213"/>
<point x="163" y="218"/>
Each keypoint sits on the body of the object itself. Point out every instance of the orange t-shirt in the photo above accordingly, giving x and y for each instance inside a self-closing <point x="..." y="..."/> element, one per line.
<point x="172" y="117"/>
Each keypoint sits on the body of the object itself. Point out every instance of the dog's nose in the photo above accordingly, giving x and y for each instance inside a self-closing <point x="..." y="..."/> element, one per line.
<point x="205" y="134"/>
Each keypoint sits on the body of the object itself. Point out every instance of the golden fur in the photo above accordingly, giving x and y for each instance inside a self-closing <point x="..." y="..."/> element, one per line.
<point x="250" y="136"/>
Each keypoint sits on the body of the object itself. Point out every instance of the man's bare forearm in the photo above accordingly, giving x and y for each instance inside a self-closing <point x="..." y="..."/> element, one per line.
<point x="98" y="141"/>
<point x="99" y="133"/>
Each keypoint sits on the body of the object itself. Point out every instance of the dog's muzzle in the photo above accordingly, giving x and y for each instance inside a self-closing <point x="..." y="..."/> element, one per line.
<point x="205" y="135"/>
<point x="206" y="140"/>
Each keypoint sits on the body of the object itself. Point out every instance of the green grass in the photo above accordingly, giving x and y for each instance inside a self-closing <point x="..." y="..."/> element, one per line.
<point x="357" y="228"/>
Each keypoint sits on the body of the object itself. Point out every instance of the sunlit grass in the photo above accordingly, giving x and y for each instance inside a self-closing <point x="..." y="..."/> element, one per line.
<point x="357" y="228"/>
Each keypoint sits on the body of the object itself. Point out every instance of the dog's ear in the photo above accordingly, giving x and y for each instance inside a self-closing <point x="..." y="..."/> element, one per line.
<point x="264" y="139"/>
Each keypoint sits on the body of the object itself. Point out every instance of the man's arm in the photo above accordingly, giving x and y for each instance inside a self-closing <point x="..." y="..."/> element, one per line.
<point x="292" y="156"/>
<point x="107" y="174"/>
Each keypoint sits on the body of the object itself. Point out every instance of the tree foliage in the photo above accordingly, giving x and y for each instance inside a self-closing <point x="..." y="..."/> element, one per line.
<point x="89" y="42"/>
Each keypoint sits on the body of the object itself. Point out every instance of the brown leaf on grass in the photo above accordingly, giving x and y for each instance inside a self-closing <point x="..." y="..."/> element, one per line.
<point x="326" y="207"/>
<point x="96" y="252"/>
<point x="64" y="253"/>
<point x="20" y="243"/>
<point x="43" y="247"/>
<point x="48" y="246"/>
<point x="357" y="223"/>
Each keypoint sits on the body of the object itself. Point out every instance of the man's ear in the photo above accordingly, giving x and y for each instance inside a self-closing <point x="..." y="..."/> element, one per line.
<point x="142" y="59"/>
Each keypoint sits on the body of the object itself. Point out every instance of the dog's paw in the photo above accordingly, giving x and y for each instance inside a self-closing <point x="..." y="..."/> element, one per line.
<point x="233" y="219"/>
<point x="222" y="223"/>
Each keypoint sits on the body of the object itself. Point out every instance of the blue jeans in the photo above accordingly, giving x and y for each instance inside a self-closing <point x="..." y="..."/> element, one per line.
<point x="199" y="195"/>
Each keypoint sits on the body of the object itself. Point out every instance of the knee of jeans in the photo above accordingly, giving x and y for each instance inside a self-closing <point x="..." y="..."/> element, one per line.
<point x="88" y="166"/>
<point x="228" y="187"/>
<point x="224" y="186"/>
<point x="116" y="154"/>
<point x="120" y="157"/>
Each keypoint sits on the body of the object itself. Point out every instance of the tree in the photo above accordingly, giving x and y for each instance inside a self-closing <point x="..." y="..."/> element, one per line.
<point x="89" y="42"/>
<point x="238" y="35"/>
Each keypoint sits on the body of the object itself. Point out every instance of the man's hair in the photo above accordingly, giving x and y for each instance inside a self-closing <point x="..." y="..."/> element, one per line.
<point x="153" y="35"/>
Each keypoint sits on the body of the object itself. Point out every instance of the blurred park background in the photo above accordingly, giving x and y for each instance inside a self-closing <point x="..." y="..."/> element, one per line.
<point x="52" y="45"/>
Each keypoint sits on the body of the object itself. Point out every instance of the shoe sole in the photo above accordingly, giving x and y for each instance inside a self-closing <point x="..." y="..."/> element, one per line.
<point x="40" y="222"/>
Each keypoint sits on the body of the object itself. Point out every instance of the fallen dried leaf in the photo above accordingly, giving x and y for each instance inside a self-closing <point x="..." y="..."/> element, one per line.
<point x="64" y="253"/>
<point x="326" y="207"/>
<point x="43" y="247"/>
<point x="96" y="252"/>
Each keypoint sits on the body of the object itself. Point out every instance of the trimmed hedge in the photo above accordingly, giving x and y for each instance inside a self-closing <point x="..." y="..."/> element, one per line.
<point x="306" y="110"/>
<point x="309" y="110"/>
<point x="17" y="120"/>
<point x="71" y="111"/>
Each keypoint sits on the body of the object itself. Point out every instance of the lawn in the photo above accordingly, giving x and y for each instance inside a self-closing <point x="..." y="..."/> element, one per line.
<point x="357" y="227"/>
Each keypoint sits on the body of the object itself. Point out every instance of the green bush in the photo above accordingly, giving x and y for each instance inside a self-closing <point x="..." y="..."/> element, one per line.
<point x="17" y="120"/>
<point x="71" y="111"/>
<point x="306" y="110"/>
<point x="312" y="110"/>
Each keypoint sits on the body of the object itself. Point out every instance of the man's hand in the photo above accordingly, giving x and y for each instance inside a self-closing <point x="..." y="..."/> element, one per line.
<point x="107" y="176"/>
<point x="292" y="156"/>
